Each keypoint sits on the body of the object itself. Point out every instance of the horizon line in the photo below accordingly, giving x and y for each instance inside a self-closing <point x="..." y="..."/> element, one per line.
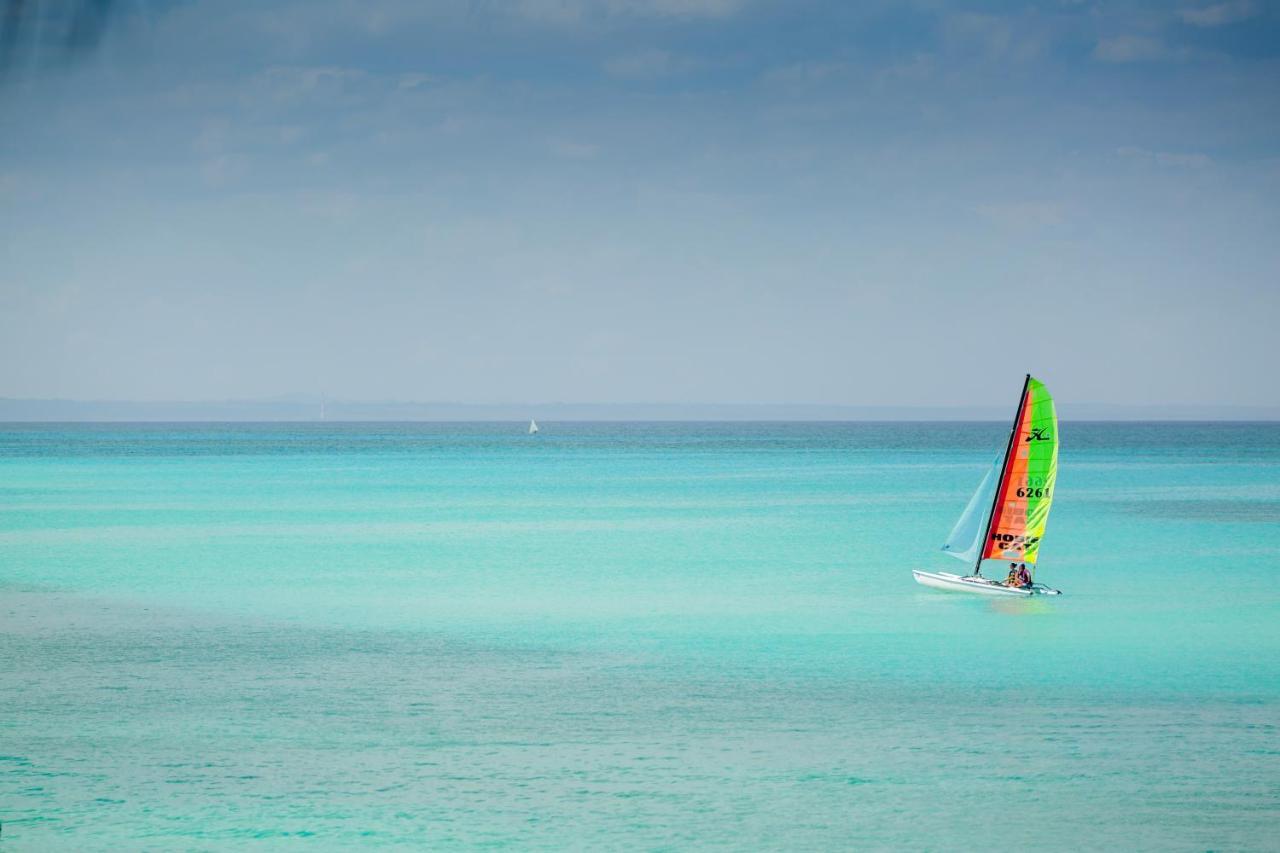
<point x="317" y="400"/>
<point x="413" y="421"/>
<point x="20" y="410"/>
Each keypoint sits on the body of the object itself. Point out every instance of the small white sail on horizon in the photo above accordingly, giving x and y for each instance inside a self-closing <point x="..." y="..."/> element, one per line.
<point x="533" y="426"/>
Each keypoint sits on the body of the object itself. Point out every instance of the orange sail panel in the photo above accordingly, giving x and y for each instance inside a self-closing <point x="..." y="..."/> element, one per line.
<point x="1026" y="487"/>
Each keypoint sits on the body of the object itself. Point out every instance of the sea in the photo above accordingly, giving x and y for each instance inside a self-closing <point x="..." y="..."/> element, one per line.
<point x="619" y="636"/>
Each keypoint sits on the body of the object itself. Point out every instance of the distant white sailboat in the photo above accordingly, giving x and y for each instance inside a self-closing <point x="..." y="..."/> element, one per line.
<point x="533" y="426"/>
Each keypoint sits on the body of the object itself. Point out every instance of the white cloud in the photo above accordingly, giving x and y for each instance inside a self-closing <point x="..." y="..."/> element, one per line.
<point x="571" y="149"/>
<point x="1132" y="49"/>
<point x="1022" y="214"/>
<point x="647" y="65"/>
<point x="558" y="12"/>
<point x="806" y="73"/>
<point x="990" y="33"/>
<point x="567" y="12"/>
<point x="1219" y="13"/>
<point x="993" y="37"/>
<point x="414" y="81"/>
<point x="1168" y="159"/>
<point x="921" y="66"/>
<point x="335" y="206"/>
<point x="815" y="74"/>
<point x="684" y="8"/>
<point x="223" y="170"/>
<point x="293" y="82"/>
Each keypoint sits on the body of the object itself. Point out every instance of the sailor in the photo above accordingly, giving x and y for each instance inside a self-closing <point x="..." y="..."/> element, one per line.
<point x="1014" y="578"/>
<point x="1024" y="577"/>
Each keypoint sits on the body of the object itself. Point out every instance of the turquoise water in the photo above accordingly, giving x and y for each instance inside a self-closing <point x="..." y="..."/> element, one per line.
<point x="629" y="635"/>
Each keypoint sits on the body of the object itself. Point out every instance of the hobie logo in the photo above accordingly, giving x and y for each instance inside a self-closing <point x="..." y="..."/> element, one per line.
<point x="1038" y="434"/>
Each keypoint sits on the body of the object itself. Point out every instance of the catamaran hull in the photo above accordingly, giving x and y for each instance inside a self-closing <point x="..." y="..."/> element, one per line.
<point x="977" y="586"/>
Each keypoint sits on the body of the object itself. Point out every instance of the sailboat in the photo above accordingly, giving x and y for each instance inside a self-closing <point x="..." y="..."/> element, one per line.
<point x="1005" y="519"/>
<point x="533" y="426"/>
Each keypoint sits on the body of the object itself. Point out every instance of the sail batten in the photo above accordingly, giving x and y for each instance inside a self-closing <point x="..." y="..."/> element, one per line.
<point x="1021" y="507"/>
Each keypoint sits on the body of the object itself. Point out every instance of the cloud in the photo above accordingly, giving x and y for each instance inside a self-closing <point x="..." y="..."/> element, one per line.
<point x="45" y="34"/>
<point x="288" y="83"/>
<point x="647" y="65"/>
<point x="1219" y="13"/>
<point x="1022" y="214"/>
<point x="1168" y="159"/>
<point x="991" y="34"/>
<point x="815" y="74"/>
<point x="223" y="169"/>
<point x="684" y="8"/>
<point x="992" y="37"/>
<point x="414" y="81"/>
<point x="1133" y="49"/>
<point x="806" y="73"/>
<point x="921" y="66"/>
<point x="570" y="149"/>
<point x="567" y="12"/>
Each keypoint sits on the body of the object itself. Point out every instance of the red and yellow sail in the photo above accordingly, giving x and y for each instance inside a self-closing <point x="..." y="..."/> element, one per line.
<point x="1025" y="493"/>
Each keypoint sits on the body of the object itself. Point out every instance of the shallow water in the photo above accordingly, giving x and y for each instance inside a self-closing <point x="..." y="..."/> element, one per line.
<point x="618" y="635"/>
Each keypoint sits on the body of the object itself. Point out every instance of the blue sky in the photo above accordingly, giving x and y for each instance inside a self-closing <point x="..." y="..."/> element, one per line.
<point x="644" y="200"/>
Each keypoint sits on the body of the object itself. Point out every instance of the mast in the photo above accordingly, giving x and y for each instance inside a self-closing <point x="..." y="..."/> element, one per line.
<point x="1004" y="473"/>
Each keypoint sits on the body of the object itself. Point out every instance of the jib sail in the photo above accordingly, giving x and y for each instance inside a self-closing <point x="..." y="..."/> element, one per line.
<point x="970" y="532"/>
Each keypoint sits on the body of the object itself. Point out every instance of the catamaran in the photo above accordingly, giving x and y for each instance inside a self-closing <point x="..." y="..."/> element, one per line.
<point x="1005" y="519"/>
<point x="533" y="426"/>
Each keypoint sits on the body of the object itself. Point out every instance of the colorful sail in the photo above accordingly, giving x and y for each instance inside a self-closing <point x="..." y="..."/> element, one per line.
<point x="1025" y="493"/>
<point x="969" y="533"/>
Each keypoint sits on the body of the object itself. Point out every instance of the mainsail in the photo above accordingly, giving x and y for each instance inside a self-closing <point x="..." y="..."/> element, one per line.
<point x="1021" y="506"/>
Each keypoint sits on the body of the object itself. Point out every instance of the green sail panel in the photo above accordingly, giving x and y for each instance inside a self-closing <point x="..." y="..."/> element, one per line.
<point x="1026" y="487"/>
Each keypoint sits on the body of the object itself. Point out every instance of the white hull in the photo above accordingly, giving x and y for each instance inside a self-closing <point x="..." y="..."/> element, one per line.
<point x="976" y="585"/>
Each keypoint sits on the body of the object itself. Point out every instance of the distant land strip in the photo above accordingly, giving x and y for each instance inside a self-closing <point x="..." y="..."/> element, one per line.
<point x="310" y="409"/>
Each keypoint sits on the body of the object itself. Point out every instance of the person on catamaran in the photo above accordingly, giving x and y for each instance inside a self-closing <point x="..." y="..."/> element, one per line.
<point x="1012" y="579"/>
<point x="1024" y="577"/>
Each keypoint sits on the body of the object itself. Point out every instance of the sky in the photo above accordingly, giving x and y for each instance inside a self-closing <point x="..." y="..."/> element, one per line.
<point x="685" y="201"/>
